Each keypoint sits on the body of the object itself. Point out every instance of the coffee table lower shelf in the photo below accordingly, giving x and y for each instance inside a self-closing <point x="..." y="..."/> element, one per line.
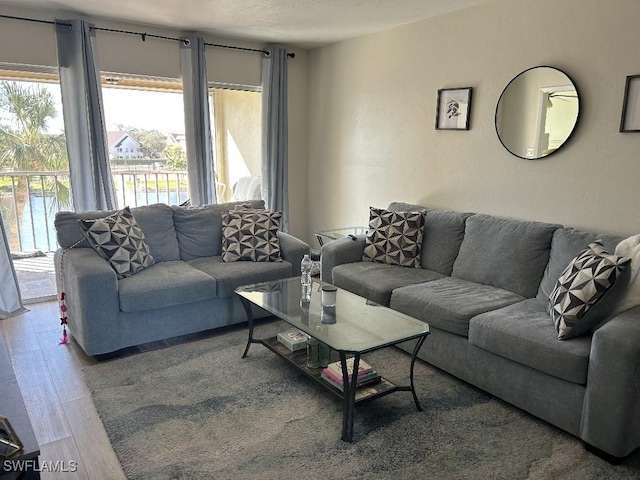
<point x="299" y="361"/>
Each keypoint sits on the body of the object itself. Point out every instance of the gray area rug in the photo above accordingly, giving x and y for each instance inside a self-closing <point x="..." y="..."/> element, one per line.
<point x="197" y="410"/>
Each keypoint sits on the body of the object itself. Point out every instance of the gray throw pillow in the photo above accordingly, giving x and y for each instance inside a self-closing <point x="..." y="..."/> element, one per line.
<point x="120" y="241"/>
<point x="251" y="235"/>
<point x="394" y="238"/>
<point x="582" y="285"/>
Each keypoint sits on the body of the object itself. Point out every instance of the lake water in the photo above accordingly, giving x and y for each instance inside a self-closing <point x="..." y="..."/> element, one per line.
<point x="38" y="231"/>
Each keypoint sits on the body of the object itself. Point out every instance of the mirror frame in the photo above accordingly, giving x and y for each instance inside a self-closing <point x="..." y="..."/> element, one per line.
<point x="575" y="125"/>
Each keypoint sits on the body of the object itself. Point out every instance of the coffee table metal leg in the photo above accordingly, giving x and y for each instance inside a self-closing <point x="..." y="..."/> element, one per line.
<point x="247" y="308"/>
<point x="349" y="396"/>
<point x="416" y="349"/>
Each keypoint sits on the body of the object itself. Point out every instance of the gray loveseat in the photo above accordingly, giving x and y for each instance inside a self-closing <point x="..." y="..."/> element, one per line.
<point x="483" y="288"/>
<point x="189" y="289"/>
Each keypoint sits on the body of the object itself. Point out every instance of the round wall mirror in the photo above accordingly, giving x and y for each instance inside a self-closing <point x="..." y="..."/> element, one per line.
<point x="537" y="112"/>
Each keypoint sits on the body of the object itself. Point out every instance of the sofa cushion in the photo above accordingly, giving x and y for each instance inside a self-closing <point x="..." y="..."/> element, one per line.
<point x="508" y="254"/>
<point x="230" y="276"/>
<point x="163" y="285"/>
<point x="394" y="238"/>
<point x="156" y="221"/>
<point x="251" y="235"/>
<point x="566" y="244"/>
<point x="119" y="240"/>
<point x="376" y="281"/>
<point x="68" y="231"/>
<point x="406" y="207"/>
<point x="443" y="235"/>
<point x="199" y="229"/>
<point x="449" y="303"/>
<point x="584" y="283"/>
<point x="522" y="332"/>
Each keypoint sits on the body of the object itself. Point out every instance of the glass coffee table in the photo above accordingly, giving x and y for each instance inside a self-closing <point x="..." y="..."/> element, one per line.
<point x="355" y="326"/>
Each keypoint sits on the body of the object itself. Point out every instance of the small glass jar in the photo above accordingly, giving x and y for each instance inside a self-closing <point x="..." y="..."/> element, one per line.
<point x="318" y="353"/>
<point x="328" y="315"/>
<point x="313" y="353"/>
<point x="324" y="355"/>
<point x="329" y="294"/>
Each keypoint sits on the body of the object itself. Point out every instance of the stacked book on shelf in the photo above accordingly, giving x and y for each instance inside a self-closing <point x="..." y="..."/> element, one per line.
<point x="366" y="374"/>
<point x="293" y="339"/>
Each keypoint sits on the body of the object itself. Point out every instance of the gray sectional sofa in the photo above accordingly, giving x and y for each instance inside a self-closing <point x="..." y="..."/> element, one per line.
<point x="483" y="288"/>
<point x="188" y="289"/>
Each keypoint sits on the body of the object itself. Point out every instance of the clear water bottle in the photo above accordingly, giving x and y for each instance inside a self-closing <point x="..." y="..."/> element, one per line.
<point x="305" y="267"/>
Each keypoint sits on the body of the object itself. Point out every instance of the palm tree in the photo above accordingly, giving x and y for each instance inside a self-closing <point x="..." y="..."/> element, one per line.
<point x="26" y="145"/>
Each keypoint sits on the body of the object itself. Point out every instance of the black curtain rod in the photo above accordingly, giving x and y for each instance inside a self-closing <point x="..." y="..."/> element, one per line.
<point x="144" y="36"/>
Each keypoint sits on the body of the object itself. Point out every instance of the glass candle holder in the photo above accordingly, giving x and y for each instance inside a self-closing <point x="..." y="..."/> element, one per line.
<point x="313" y="353"/>
<point x="329" y="294"/>
<point x="324" y="355"/>
<point x="328" y="315"/>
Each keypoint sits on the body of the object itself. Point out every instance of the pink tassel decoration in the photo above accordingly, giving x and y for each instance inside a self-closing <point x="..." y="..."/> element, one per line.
<point x="63" y="320"/>
<point x="63" y="306"/>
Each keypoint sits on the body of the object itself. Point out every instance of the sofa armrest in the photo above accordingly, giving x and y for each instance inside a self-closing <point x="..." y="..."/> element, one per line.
<point x="91" y="296"/>
<point x="292" y="250"/>
<point x="611" y="409"/>
<point x="337" y="252"/>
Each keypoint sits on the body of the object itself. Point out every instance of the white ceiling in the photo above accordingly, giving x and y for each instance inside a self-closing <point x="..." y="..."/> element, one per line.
<point x="305" y="23"/>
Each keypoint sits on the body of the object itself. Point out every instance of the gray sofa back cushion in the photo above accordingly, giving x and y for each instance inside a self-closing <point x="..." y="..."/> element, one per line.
<point x="199" y="229"/>
<point x="406" y="207"/>
<point x="443" y="235"/>
<point x="566" y="244"/>
<point x="156" y="222"/>
<point x="68" y="231"/>
<point x="508" y="254"/>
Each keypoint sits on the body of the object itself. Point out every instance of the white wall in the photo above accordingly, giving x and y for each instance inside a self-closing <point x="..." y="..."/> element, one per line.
<point x="34" y="44"/>
<point x="372" y="103"/>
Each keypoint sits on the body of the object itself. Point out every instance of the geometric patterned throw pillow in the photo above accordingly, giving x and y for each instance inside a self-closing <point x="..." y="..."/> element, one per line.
<point x="582" y="285"/>
<point x="251" y="235"/>
<point x="394" y="238"/>
<point x="119" y="240"/>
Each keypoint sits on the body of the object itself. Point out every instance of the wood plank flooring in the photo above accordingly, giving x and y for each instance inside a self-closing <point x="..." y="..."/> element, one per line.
<point x="64" y="419"/>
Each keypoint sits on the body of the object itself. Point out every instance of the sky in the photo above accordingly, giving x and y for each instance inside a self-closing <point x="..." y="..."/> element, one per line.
<point x="135" y="108"/>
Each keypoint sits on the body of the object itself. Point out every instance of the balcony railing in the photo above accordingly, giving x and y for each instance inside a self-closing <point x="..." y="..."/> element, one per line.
<point x="30" y="200"/>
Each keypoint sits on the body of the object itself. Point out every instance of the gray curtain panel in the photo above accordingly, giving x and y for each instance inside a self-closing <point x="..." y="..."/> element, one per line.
<point x="200" y="171"/>
<point x="91" y="181"/>
<point x="275" y="170"/>
<point x="10" y="300"/>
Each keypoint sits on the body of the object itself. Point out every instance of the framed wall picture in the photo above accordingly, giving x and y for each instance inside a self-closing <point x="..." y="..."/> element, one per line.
<point x="454" y="107"/>
<point x="630" y="121"/>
